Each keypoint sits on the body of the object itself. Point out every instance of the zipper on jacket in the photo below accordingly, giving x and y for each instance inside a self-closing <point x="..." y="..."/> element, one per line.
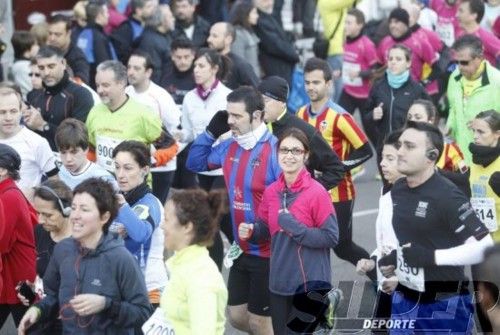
<point x="390" y="111"/>
<point x="302" y="267"/>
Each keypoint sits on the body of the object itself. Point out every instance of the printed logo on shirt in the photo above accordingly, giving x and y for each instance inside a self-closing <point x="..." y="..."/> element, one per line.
<point x="238" y="195"/>
<point x="323" y="125"/>
<point x="255" y="163"/>
<point x="233" y="159"/>
<point x="96" y="282"/>
<point x="421" y="210"/>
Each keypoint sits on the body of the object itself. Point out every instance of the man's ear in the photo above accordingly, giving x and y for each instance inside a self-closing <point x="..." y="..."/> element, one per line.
<point x="257" y="115"/>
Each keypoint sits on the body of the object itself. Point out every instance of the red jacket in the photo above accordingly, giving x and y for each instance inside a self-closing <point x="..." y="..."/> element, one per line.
<point x="17" y="244"/>
<point x="2" y="229"/>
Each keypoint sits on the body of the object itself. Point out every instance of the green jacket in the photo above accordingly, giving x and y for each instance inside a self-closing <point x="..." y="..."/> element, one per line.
<point x="486" y="97"/>
<point x="331" y="11"/>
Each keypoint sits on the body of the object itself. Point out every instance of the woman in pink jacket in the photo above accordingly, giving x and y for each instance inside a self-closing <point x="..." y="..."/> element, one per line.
<point x="297" y="215"/>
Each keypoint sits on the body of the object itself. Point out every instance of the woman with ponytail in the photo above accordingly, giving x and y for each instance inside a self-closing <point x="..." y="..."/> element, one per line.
<point x="195" y="298"/>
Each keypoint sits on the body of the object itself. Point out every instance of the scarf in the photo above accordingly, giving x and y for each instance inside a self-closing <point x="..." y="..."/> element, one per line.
<point x="397" y="80"/>
<point x="137" y="193"/>
<point x="482" y="155"/>
<point x="204" y="93"/>
<point x="249" y="140"/>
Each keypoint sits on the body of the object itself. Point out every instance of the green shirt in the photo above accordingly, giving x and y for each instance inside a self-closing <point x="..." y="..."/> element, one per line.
<point x="195" y="297"/>
<point x="107" y="129"/>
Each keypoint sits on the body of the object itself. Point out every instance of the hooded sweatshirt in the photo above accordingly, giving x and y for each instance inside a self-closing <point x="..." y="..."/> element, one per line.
<point x="110" y="271"/>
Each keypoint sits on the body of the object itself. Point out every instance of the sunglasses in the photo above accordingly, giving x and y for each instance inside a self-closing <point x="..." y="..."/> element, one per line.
<point x="31" y="74"/>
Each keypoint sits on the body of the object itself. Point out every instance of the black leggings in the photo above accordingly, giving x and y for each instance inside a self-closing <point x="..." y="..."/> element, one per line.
<point x="347" y="249"/>
<point x="283" y="308"/>
<point x="17" y="311"/>
<point x="162" y="180"/>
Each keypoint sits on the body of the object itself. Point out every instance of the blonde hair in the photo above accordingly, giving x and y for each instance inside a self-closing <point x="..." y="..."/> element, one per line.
<point x="79" y="12"/>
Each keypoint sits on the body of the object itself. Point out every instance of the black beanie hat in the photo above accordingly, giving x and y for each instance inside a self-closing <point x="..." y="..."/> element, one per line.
<point x="9" y="158"/>
<point x="401" y="15"/>
<point x="274" y="87"/>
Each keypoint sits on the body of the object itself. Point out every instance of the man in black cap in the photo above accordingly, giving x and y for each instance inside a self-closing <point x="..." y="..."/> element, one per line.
<point x="421" y="50"/>
<point x="323" y="162"/>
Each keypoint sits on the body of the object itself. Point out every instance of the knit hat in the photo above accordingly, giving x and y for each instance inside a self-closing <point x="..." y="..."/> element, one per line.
<point x="274" y="87"/>
<point x="9" y="158"/>
<point x="401" y="15"/>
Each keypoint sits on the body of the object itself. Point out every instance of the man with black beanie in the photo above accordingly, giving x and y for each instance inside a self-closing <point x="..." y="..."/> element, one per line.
<point x="323" y="162"/>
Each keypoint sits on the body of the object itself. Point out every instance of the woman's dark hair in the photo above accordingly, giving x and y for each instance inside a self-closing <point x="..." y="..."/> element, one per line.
<point x="215" y="59"/>
<point x="429" y="108"/>
<point x="297" y="134"/>
<point x="404" y="48"/>
<point x="240" y="13"/>
<point x="60" y="189"/>
<point x="203" y="210"/>
<point x="137" y="149"/>
<point x="104" y="196"/>
<point x="491" y="117"/>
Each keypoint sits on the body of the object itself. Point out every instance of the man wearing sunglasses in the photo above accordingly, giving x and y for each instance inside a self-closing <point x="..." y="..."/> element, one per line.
<point x="472" y="88"/>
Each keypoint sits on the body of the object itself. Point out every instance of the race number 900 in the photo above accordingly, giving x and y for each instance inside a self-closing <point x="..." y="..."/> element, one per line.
<point x="104" y="151"/>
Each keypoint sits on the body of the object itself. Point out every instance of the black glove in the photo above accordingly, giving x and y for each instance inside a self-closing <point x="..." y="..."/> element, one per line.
<point x="218" y="125"/>
<point x="417" y="256"/>
<point x="389" y="259"/>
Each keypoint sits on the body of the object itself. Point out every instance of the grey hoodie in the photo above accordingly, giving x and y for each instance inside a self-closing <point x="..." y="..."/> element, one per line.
<point x="109" y="270"/>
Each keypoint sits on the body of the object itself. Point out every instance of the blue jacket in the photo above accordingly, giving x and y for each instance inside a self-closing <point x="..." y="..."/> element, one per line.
<point x="109" y="270"/>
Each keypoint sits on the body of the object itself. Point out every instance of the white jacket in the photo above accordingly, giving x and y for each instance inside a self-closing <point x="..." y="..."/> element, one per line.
<point x="197" y="113"/>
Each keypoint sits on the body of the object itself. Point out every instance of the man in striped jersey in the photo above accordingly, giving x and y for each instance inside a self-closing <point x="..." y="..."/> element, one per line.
<point x="349" y="142"/>
<point x="249" y="162"/>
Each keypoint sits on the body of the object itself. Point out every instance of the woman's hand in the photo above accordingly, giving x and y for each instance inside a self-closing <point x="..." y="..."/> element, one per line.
<point x="378" y="112"/>
<point x="245" y="230"/>
<point x="365" y="265"/>
<point x="88" y="304"/>
<point x="29" y="319"/>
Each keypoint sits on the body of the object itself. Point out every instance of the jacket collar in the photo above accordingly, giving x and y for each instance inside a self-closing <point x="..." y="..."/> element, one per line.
<point x="303" y="181"/>
<point x="54" y="90"/>
<point x="485" y="80"/>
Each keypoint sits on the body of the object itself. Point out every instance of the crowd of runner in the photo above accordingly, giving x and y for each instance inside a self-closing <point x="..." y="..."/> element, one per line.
<point x="136" y="130"/>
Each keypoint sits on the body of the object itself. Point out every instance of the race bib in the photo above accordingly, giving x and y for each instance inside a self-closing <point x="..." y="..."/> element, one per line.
<point x="104" y="151"/>
<point x="411" y="277"/>
<point x="157" y="324"/>
<point x="446" y="31"/>
<point x="233" y="253"/>
<point x="346" y="69"/>
<point x="486" y="211"/>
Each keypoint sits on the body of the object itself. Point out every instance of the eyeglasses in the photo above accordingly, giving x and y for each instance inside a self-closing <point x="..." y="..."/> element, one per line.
<point x="31" y="74"/>
<point x="293" y="151"/>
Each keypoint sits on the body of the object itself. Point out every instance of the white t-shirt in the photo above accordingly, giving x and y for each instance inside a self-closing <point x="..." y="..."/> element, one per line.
<point x="162" y="103"/>
<point x="36" y="157"/>
<point x="92" y="170"/>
